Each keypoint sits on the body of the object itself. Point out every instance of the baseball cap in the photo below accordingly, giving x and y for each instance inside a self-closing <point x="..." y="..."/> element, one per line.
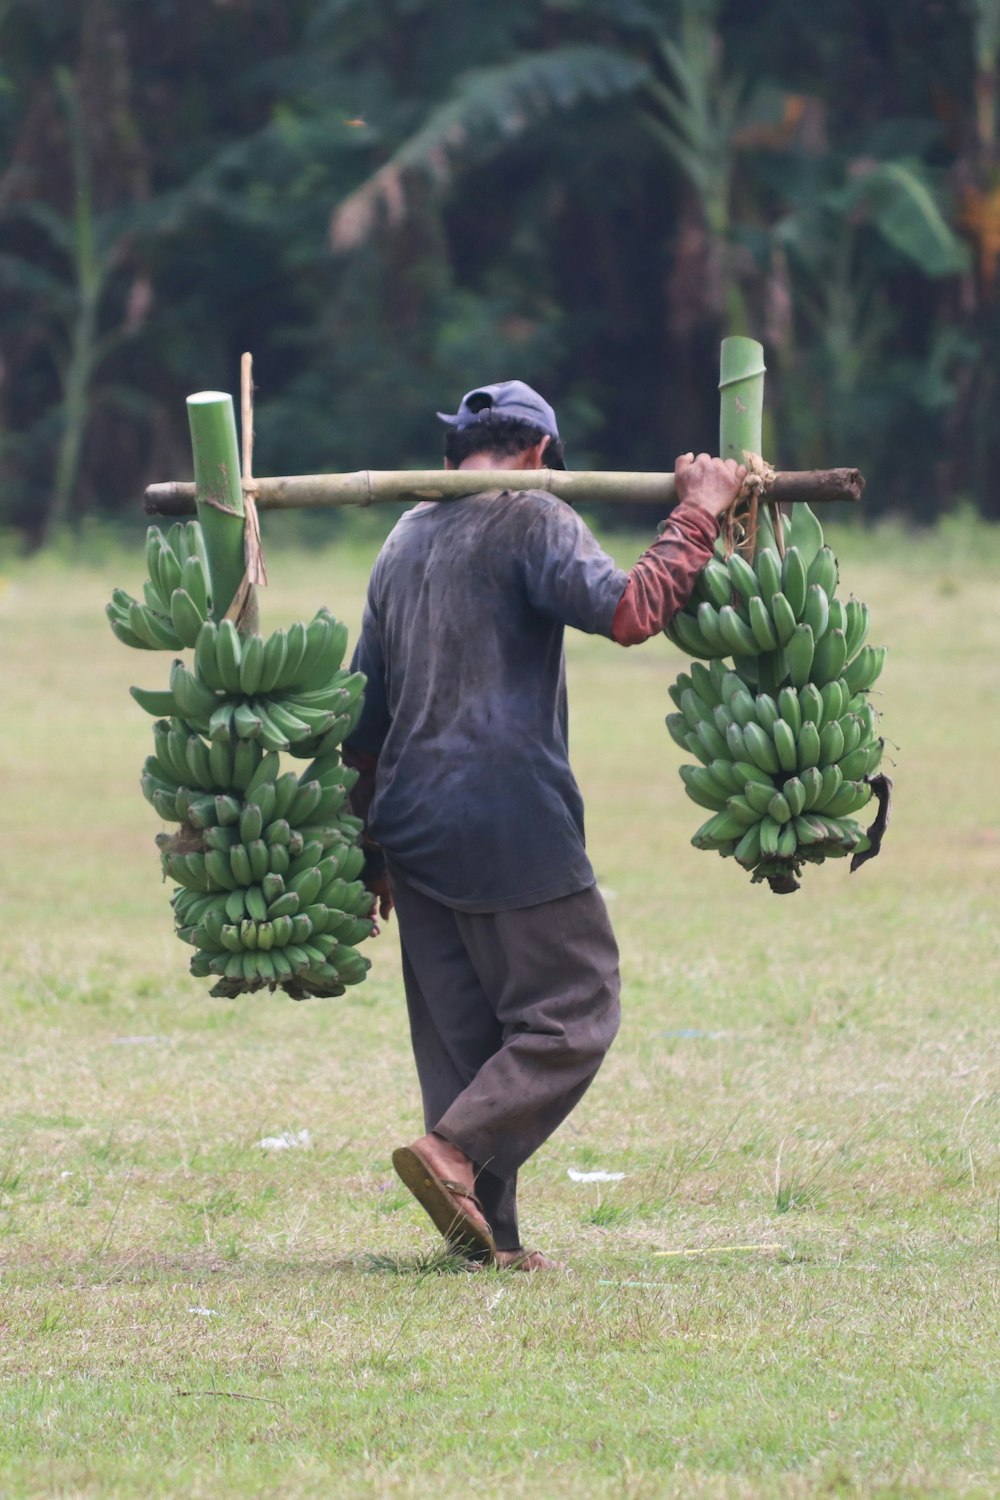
<point x="508" y="398"/>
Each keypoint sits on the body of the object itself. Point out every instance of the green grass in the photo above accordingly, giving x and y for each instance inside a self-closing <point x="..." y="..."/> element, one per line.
<point x="792" y="1292"/>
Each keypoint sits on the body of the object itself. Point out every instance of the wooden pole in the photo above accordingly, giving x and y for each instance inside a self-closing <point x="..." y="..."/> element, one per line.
<point x="409" y="486"/>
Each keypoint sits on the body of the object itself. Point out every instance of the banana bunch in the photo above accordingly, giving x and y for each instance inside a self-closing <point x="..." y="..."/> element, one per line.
<point x="288" y="692"/>
<point x="785" y="738"/>
<point x="266" y="864"/>
<point x="177" y="592"/>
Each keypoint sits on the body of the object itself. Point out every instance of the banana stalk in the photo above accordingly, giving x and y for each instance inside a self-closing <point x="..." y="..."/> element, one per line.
<point x="741" y="386"/>
<point x="219" y="497"/>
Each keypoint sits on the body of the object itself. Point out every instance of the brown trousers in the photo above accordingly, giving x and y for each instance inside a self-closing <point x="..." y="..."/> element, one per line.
<point x="511" y="1015"/>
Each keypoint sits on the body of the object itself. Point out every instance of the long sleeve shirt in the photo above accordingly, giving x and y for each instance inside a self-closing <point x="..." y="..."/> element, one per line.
<point x="464" y="732"/>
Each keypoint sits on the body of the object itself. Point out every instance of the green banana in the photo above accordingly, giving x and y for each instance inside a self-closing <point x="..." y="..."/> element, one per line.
<point x="832" y="781"/>
<point x="784" y="618"/>
<point x="205" y="665"/>
<point x="865" y="669"/>
<point x="824" y="572"/>
<point x="830" y="657"/>
<point x="787" y="842"/>
<point x="769" y="834"/>
<point x="848" y="798"/>
<point x="811" y="780"/>
<point x="747" y="851"/>
<point x="677" y="728"/>
<point x="239" y="863"/>
<point x="246" y="723"/>
<point x="742" y="810"/>
<point x="743" y="708"/>
<point x="693" y="708"/>
<point x="793" y="581"/>
<point x="808" y="746"/>
<point x="768" y="568"/>
<point x="761" y="624"/>
<point x="831" y="743"/>
<point x="273" y="663"/>
<point x="708" y="736"/>
<point x="711" y="629"/>
<point x="195" y="582"/>
<point x="272" y="737"/>
<point x="305" y="800"/>
<point x="185" y="616"/>
<point x="739" y="638"/>
<point x="858" y="623"/>
<point x="854" y="765"/>
<point x="833" y="702"/>
<point x="219" y="762"/>
<point x="220" y="724"/>
<point x="805" y="533"/>
<point x="714" y="580"/>
<point x="251" y="664"/>
<point x="816" y="613"/>
<point x="811" y="704"/>
<point x="743" y="579"/>
<point x="790" y="709"/>
<point x="227" y="809"/>
<point x="162" y="705"/>
<point x="265" y="776"/>
<point x="760" y="748"/>
<point x="703" y="683"/>
<point x="794" y="794"/>
<point x="228" y="654"/>
<point x="767" y="711"/>
<point x="197" y="703"/>
<point x="259" y="856"/>
<point x="702" y="787"/>
<point x="799" y="655"/>
<point x="785" y="745"/>
<point x="295" y="651"/>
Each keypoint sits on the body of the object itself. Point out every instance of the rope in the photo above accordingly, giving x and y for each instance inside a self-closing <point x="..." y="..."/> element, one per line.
<point x="739" y="525"/>
<point x="254" y="567"/>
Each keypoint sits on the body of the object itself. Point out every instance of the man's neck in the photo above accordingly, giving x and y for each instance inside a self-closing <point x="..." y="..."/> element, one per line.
<point x="488" y="461"/>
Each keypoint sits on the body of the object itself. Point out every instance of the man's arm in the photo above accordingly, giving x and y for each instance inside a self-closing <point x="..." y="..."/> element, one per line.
<point x="662" y="580"/>
<point x="569" y="577"/>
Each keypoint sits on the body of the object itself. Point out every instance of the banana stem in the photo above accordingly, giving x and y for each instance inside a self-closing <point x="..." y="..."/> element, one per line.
<point x="741" y="387"/>
<point x="219" y="499"/>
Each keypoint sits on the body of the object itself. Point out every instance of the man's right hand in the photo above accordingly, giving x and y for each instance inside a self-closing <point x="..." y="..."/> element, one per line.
<point x="710" y="483"/>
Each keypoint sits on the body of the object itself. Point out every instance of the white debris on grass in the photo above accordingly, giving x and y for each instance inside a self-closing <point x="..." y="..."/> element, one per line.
<point x="288" y="1140"/>
<point x="203" y="1312"/>
<point x="575" y="1176"/>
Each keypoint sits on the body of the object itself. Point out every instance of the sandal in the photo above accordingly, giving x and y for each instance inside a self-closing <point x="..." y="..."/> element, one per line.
<point x="438" y="1195"/>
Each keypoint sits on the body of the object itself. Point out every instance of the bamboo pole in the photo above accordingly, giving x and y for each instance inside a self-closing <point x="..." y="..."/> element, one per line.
<point x="409" y="486"/>
<point x="218" y="494"/>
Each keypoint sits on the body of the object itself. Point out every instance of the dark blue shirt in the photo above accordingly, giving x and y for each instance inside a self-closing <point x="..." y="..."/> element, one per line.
<point x="462" y="644"/>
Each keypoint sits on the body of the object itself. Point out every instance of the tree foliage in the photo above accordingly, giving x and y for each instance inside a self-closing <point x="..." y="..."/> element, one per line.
<point x="389" y="201"/>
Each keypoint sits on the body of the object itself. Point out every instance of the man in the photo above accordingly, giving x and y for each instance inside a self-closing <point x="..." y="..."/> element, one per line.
<point x="474" y="822"/>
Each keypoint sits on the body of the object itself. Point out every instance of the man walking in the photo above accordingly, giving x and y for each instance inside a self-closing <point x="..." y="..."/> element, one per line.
<point x="474" y="822"/>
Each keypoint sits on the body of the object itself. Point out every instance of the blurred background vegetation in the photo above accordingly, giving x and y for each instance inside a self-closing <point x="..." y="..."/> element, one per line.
<point x="389" y="201"/>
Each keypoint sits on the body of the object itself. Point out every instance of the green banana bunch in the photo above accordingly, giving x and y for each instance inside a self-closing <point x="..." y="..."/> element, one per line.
<point x="785" y="739"/>
<point x="265" y="863"/>
<point x="177" y="592"/>
<point x="288" y="692"/>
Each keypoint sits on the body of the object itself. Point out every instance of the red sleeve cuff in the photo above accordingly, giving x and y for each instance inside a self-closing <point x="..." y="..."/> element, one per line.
<point x="662" y="580"/>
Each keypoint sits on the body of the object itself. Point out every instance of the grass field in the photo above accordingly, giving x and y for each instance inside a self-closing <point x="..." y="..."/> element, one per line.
<point x="792" y="1291"/>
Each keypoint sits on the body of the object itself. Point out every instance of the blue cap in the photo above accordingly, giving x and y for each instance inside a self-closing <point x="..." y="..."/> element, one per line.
<point x="508" y="398"/>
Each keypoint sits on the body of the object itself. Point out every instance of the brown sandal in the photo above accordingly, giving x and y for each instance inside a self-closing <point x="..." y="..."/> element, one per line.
<point x="437" y="1196"/>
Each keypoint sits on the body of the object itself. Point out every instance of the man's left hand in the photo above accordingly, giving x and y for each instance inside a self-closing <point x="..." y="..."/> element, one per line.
<point x="381" y="894"/>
